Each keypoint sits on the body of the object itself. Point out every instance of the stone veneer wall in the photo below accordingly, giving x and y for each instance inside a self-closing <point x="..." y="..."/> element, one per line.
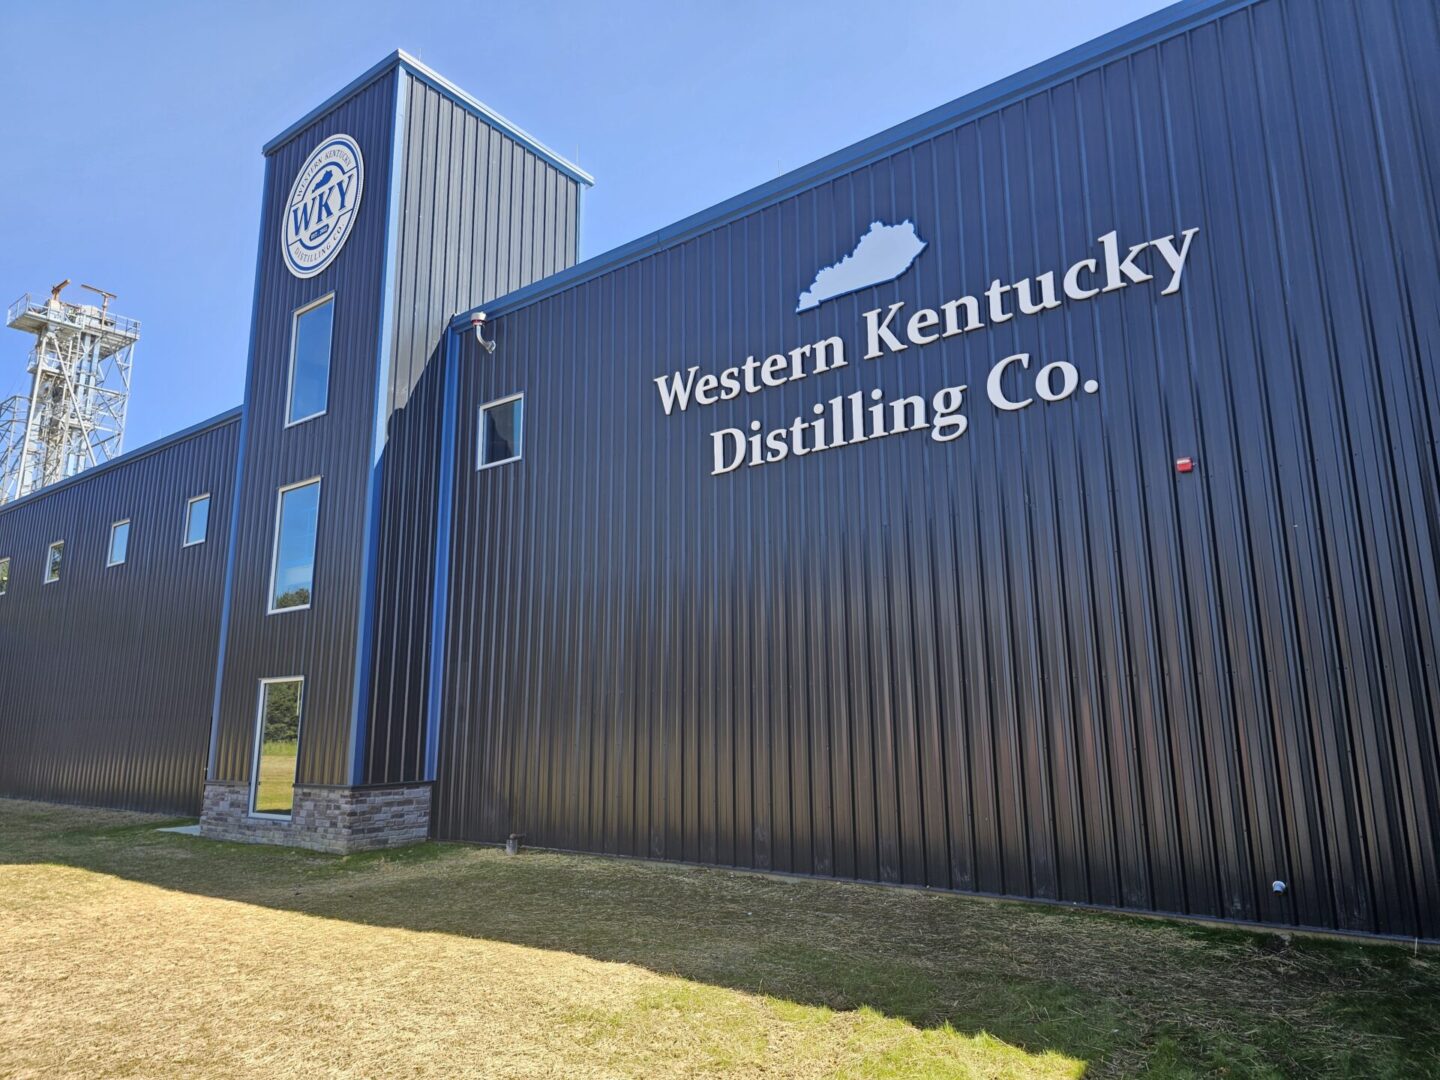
<point x="338" y="820"/>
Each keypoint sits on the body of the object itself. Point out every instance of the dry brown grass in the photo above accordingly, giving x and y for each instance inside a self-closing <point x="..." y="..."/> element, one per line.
<point x="124" y="952"/>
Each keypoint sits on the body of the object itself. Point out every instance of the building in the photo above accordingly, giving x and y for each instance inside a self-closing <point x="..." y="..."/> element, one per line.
<point x="1038" y="498"/>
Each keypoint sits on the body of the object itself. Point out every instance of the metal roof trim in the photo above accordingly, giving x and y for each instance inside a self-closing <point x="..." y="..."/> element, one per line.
<point x="403" y="61"/>
<point x="153" y="447"/>
<point x="1167" y="22"/>
<point x="478" y="108"/>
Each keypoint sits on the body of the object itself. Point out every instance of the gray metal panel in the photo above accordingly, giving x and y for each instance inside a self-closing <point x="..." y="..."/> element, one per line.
<point x="481" y="216"/>
<point x="1035" y="661"/>
<point x="319" y="643"/>
<point x="106" y="677"/>
<point x="416" y="69"/>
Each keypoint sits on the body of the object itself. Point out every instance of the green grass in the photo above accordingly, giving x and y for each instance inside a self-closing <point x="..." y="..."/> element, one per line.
<point x="128" y="952"/>
<point x="275" y="794"/>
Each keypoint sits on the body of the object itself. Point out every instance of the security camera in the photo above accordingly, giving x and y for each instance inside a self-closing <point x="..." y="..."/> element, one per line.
<point x="477" y="323"/>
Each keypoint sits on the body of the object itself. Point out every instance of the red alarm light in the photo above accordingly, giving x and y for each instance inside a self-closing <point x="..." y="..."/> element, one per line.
<point x="1184" y="465"/>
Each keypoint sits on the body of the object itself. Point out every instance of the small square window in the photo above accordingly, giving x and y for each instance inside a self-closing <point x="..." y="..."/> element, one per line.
<point x="4" y="575"/>
<point x="119" y="543"/>
<point x="197" y="520"/>
<point x="502" y="424"/>
<point x="53" y="558"/>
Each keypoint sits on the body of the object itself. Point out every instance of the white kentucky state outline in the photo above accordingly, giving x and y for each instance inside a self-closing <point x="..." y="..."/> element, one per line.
<point x="883" y="253"/>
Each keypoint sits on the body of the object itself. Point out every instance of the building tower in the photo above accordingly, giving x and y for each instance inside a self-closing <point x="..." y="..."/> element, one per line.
<point x="74" y="414"/>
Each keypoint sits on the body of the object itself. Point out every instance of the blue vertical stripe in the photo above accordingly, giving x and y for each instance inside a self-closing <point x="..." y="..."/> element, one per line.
<point x="365" y="640"/>
<point x="234" y="530"/>
<point x="439" y="606"/>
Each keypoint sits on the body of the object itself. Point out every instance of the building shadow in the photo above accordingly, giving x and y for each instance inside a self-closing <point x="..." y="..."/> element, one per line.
<point x="1092" y="987"/>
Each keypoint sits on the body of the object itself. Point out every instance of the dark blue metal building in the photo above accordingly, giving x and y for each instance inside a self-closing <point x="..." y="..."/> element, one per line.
<point x="107" y="673"/>
<point x="1037" y="499"/>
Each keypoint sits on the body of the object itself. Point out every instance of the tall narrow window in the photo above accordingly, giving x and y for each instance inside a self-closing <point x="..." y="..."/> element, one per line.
<point x="53" y="558"/>
<point x="4" y="575"/>
<point x="119" y="543"/>
<point x="310" y="361"/>
<point x="292" y="572"/>
<point x="501" y="427"/>
<point x="197" y="520"/>
<point x="277" y="747"/>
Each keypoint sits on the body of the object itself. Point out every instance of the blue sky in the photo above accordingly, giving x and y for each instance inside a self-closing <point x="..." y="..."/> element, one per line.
<point x="140" y="171"/>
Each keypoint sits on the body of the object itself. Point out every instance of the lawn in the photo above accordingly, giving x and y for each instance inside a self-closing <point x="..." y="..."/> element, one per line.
<point x="275" y="794"/>
<point x="128" y="952"/>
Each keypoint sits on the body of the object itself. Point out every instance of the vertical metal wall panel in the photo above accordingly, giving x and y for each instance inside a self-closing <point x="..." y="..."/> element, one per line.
<point x="1035" y="661"/>
<point x="481" y="215"/>
<point x="106" y="679"/>
<point x="319" y="643"/>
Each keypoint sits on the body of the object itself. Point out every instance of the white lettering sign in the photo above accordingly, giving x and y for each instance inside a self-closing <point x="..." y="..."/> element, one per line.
<point x="1011" y="385"/>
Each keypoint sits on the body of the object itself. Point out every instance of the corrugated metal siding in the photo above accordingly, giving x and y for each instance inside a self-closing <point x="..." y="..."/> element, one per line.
<point x="1035" y="661"/>
<point x="481" y="216"/>
<point x="106" y="676"/>
<point x="321" y="642"/>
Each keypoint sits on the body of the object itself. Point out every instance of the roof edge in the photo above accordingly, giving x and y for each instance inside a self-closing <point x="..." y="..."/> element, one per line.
<point x="403" y="61"/>
<point x="478" y="108"/>
<point x="350" y="89"/>
<point x="153" y="447"/>
<point x="1168" y="21"/>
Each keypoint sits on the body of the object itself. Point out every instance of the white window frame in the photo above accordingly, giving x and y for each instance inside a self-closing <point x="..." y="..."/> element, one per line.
<point x="480" y="463"/>
<point x="328" y="298"/>
<point x="185" y="540"/>
<point x="110" y="559"/>
<point x="271" y="609"/>
<point x="45" y="570"/>
<point x="259" y="743"/>
<point x="5" y="577"/>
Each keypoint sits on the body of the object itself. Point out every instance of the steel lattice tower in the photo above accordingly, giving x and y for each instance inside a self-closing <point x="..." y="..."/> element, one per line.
<point x="74" y="415"/>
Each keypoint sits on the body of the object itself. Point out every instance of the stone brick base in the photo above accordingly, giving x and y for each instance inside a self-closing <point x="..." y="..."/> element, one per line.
<point x="338" y="820"/>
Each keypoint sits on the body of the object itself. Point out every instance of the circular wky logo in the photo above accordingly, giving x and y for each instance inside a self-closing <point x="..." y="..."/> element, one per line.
<point x="321" y="210"/>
